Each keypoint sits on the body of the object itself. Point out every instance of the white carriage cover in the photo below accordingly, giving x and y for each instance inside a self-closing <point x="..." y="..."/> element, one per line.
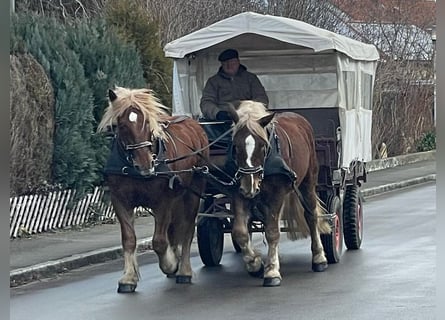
<point x="300" y="66"/>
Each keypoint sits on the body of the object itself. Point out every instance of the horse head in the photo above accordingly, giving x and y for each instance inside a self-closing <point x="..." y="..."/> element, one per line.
<point x="136" y="114"/>
<point x="136" y="138"/>
<point x="250" y="146"/>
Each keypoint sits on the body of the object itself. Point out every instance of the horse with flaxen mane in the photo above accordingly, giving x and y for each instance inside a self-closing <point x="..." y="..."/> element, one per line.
<point x="151" y="165"/>
<point x="277" y="174"/>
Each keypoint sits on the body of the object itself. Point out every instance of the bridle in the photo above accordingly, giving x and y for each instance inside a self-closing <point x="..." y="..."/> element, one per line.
<point x="139" y="145"/>
<point x="252" y="170"/>
<point x="248" y="171"/>
<point x="128" y="148"/>
<point x="258" y="169"/>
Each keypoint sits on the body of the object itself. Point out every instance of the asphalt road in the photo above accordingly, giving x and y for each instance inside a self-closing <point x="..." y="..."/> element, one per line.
<point x="391" y="277"/>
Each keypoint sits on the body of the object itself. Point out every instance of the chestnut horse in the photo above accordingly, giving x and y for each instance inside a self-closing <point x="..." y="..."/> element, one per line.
<point x="277" y="173"/>
<point x="158" y="153"/>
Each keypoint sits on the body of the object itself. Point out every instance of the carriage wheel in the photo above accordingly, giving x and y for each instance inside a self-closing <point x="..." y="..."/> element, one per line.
<point x="210" y="236"/>
<point x="333" y="242"/>
<point x="353" y="218"/>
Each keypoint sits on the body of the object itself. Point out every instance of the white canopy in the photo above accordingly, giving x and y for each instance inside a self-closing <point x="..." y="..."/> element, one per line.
<point x="301" y="67"/>
<point x="286" y="30"/>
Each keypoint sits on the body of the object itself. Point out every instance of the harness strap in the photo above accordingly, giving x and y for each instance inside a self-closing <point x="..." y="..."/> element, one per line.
<point x="165" y="124"/>
<point x="195" y="152"/>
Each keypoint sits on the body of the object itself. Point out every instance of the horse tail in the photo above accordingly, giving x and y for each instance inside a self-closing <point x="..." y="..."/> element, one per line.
<point x="323" y="225"/>
<point x="294" y="220"/>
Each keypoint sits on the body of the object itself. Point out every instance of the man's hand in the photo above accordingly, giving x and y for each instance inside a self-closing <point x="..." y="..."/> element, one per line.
<point x="223" y="115"/>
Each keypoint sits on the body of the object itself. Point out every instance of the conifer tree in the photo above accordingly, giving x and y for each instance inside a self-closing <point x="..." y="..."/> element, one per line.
<point x="136" y="26"/>
<point x="107" y="61"/>
<point x="74" y="163"/>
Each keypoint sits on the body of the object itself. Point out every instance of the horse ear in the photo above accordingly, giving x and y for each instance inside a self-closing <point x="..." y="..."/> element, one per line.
<point x="112" y="95"/>
<point x="264" y="121"/>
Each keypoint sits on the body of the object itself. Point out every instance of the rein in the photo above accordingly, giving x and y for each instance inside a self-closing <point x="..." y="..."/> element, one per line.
<point x="194" y="152"/>
<point x="160" y="161"/>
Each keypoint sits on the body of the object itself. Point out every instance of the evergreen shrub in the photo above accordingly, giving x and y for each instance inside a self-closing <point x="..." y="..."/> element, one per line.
<point x="427" y="142"/>
<point x="73" y="164"/>
<point x="134" y="25"/>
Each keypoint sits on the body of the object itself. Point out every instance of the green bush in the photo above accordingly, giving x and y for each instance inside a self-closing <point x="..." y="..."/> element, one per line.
<point x="74" y="162"/>
<point x="427" y="142"/>
<point x="31" y="125"/>
<point x="134" y="25"/>
<point x="107" y="61"/>
<point x="83" y="59"/>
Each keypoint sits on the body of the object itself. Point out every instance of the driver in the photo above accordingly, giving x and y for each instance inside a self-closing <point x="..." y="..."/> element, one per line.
<point x="231" y="83"/>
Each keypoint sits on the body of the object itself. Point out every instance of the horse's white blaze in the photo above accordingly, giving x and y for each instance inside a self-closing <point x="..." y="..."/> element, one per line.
<point x="250" y="147"/>
<point x="133" y="116"/>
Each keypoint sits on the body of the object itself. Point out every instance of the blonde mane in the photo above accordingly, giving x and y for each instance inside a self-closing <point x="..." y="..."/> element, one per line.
<point x="142" y="99"/>
<point x="249" y="112"/>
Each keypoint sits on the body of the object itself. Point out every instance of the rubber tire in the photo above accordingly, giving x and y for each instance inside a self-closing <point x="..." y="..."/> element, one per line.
<point x="333" y="242"/>
<point x="353" y="217"/>
<point x="210" y="237"/>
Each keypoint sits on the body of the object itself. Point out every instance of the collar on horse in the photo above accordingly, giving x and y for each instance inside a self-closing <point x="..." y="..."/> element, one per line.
<point x="275" y="163"/>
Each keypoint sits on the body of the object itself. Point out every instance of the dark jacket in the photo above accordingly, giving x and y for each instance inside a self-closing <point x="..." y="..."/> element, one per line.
<point x="222" y="88"/>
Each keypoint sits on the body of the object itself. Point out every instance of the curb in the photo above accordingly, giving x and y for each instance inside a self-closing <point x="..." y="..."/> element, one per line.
<point x="48" y="269"/>
<point x="398" y="185"/>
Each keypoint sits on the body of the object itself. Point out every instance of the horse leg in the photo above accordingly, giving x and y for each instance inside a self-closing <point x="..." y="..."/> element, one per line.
<point x="184" y="230"/>
<point x="319" y="261"/>
<point x="240" y="234"/>
<point x="167" y="255"/>
<point x="272" y="213"/>
<point x="125" y="216"/>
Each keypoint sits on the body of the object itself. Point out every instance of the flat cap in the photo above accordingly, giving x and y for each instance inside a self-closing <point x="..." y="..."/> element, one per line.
<point x="227" y="55"/>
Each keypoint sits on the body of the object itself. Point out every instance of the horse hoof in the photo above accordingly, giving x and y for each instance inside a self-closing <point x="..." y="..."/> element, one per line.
<point x="171" y="275"/>
<point x="184" y="279"/>
<point x="259" y="273"/>
<point x="272" y="282"/>
<point x="126" y="288"/>
<point x="319" y="267"/>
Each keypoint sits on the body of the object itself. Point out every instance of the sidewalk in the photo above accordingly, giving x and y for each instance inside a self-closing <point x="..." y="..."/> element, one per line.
<point x="46" y="254"/>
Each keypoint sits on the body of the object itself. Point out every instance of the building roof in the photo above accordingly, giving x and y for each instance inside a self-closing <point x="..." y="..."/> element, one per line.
<point x="420" y="13"/>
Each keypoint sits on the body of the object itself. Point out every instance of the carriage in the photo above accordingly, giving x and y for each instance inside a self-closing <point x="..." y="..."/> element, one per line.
<point x="297" y="167"/>
<point x="323" y="76"/>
